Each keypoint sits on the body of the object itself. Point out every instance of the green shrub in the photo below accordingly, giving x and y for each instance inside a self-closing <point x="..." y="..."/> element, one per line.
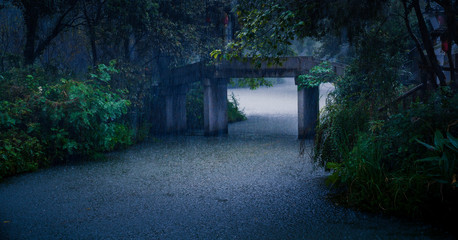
<point x="46" y="121"/>
<point x="442" y="164"/>
<point x="390" y="164"/>
<point x="140" y="90"/>
<point x="82" y="115"/>
<point x="317" y="75"/>
<point x="370" y="185"/>
<point x="19" y="153"/>
<point x="402" y="161"/>
<point x="338" y="129"/>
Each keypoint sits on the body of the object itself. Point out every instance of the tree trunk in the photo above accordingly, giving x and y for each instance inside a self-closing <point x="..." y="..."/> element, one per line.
<point x="424" y="61"/>
<point x="127" y="49"/>
<point x="93" y="45"/>
<point x="451" y="28"/>
<point x="452" y="66"/>
<point x="91" y="23"/>
<point x="31" y="23"/>
<point x="31" y="11"/>
<point x="456" y="66"/>
<point x="428" y="44"/>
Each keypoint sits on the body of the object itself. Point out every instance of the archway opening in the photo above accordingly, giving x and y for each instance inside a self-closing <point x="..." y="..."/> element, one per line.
<point x="271" y="110"/>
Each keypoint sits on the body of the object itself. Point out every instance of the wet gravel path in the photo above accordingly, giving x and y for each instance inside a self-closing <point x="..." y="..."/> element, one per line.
<point x="249" y="185"/>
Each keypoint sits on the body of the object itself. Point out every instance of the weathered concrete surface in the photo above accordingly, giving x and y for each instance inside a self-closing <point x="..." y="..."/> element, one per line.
<point x="308" y="110"/>
<point x="289" y="67"/>
<point x="215" y="106"/>
<point x="175" y="109"/>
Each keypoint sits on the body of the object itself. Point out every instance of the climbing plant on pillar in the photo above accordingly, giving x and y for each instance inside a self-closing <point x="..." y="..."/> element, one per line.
<point x="319" y="74"/>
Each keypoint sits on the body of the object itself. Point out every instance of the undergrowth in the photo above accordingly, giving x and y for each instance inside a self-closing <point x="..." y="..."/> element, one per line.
<point x="46" y="118"/>
<point x="399" y="161"/>
<point x="404" y="164"/>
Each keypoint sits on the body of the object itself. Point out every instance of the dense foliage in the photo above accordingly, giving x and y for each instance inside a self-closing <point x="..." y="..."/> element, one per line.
<point x="270" y="27"/>
<point x="396" y="163"/>
<point x="74" y="33"/>
<point x="400" y="160"/>
<point x="317" y="75"/>
<point x="52" y="110"/>
<point x="394" y="160"/>
<point x="44" y="118"/>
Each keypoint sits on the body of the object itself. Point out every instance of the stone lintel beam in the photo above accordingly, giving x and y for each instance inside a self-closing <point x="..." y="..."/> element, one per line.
<point x="255" y="73"/>
<point x="186" y="74"/>
<point x="289" y="67"/>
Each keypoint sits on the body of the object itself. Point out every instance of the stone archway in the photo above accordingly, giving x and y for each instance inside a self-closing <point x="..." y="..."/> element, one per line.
<point x="215" y="78"/>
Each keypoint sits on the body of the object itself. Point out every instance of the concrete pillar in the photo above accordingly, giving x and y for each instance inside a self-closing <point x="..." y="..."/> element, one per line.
<point x="215" y="106"/>
<point x="169" y="120"/>
<point x="157" y="112"/>
<point x="181" y="112"/>
<point x="175" y="109"/>
<point x="308" y="110"/>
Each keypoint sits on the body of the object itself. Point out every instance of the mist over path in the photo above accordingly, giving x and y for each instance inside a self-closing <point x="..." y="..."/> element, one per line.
<point x="251" y="184"/>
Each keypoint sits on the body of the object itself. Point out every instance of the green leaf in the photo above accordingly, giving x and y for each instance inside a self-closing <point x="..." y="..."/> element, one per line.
<point x="438" y="140"/>
<point x="453" y="140"/>
<point x="333" y="165"/>
<point x="430" y="147"/>
<point x="429" y="159"/>
<point x="442" y="181"/>
<point x="216" y="54"/>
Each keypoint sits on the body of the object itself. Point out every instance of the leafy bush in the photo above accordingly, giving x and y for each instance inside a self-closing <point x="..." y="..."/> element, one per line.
<point x="19" y="153"/>
<point x="376" y="158"/>
<point x="338" y="129"/>
<point x="141" y="92"/>
<point x="375" y="72"/>
<point x="389" y="164"/>
<point x="317" y="75"/>
<point x="46" y="121"/>
<point x="370" y="185"/>
<point x="442" y="165"/>
<point x="83" y="114"/>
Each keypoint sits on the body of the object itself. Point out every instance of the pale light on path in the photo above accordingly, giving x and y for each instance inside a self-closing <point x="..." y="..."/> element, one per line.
<point x="271" y="110"/>
<point x="280" y="99"/>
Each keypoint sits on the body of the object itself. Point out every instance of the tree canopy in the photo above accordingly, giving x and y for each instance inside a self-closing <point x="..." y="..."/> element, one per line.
<point x="269" y="27"/>
<point x="139" y="32"/>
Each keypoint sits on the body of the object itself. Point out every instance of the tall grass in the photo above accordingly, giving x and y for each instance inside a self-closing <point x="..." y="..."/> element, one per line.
<point x="234" y="113"/>
<point x="402" y="164"/>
